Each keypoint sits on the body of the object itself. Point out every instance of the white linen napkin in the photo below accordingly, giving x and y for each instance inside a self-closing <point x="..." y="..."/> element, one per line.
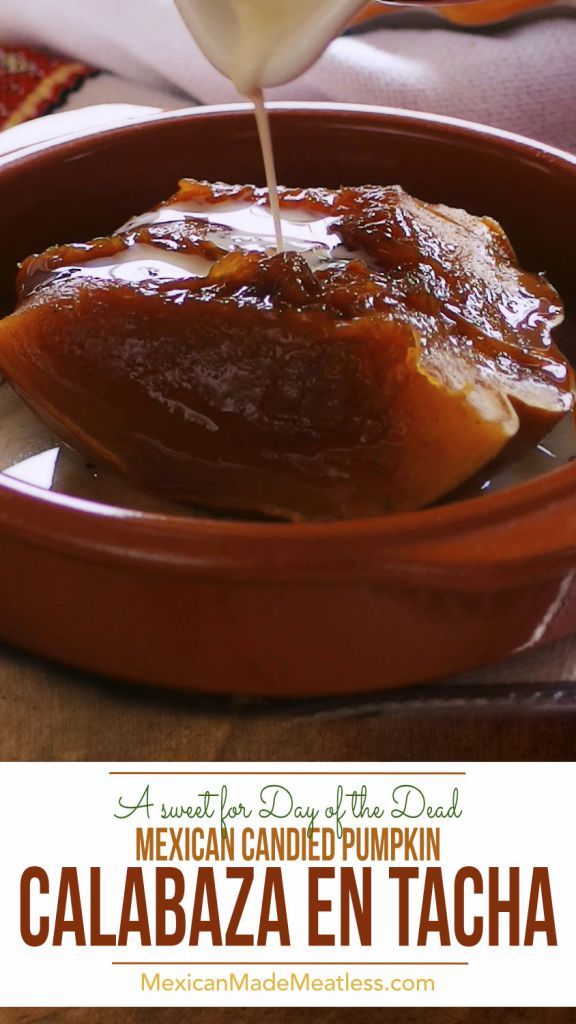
<point x="520" y="76"/>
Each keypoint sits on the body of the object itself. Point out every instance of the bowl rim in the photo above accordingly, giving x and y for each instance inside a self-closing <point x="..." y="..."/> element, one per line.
<point x="450" y="539"/>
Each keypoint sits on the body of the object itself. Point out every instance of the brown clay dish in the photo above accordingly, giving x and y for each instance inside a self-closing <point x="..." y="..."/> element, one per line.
<point x="290" y="609"/>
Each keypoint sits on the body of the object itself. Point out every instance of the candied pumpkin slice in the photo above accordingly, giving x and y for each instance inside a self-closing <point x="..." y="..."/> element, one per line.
<point x="393" y="350"/>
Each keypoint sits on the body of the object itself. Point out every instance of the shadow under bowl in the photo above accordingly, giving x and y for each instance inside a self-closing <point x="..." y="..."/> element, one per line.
<point x="278" y="609"/>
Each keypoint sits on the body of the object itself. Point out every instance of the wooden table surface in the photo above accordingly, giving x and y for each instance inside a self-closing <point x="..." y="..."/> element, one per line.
<point x="290" y="1016"/>
<point x="524" y="709"/>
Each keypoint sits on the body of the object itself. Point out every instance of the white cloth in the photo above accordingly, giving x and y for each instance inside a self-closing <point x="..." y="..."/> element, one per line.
<point x="520" y="76"/>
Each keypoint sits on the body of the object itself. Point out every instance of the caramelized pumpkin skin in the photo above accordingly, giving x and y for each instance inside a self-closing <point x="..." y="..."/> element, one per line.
<point x="376" y="378"/>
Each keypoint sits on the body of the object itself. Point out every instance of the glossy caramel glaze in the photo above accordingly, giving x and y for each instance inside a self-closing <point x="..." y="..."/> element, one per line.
<point x="389" y="354"/>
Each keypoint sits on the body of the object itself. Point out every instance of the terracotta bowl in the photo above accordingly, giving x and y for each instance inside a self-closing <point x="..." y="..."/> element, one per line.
<point x="260" y="608"/>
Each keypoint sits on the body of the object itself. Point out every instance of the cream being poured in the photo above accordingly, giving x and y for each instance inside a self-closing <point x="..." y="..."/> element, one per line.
<point x="263" y="43"/>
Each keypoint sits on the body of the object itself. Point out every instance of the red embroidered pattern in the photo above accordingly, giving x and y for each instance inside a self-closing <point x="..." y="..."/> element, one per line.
<point x="34" y="83"/>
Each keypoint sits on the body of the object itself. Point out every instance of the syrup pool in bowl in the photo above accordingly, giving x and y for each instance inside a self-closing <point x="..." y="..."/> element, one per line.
<point x="31" y="454"/>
